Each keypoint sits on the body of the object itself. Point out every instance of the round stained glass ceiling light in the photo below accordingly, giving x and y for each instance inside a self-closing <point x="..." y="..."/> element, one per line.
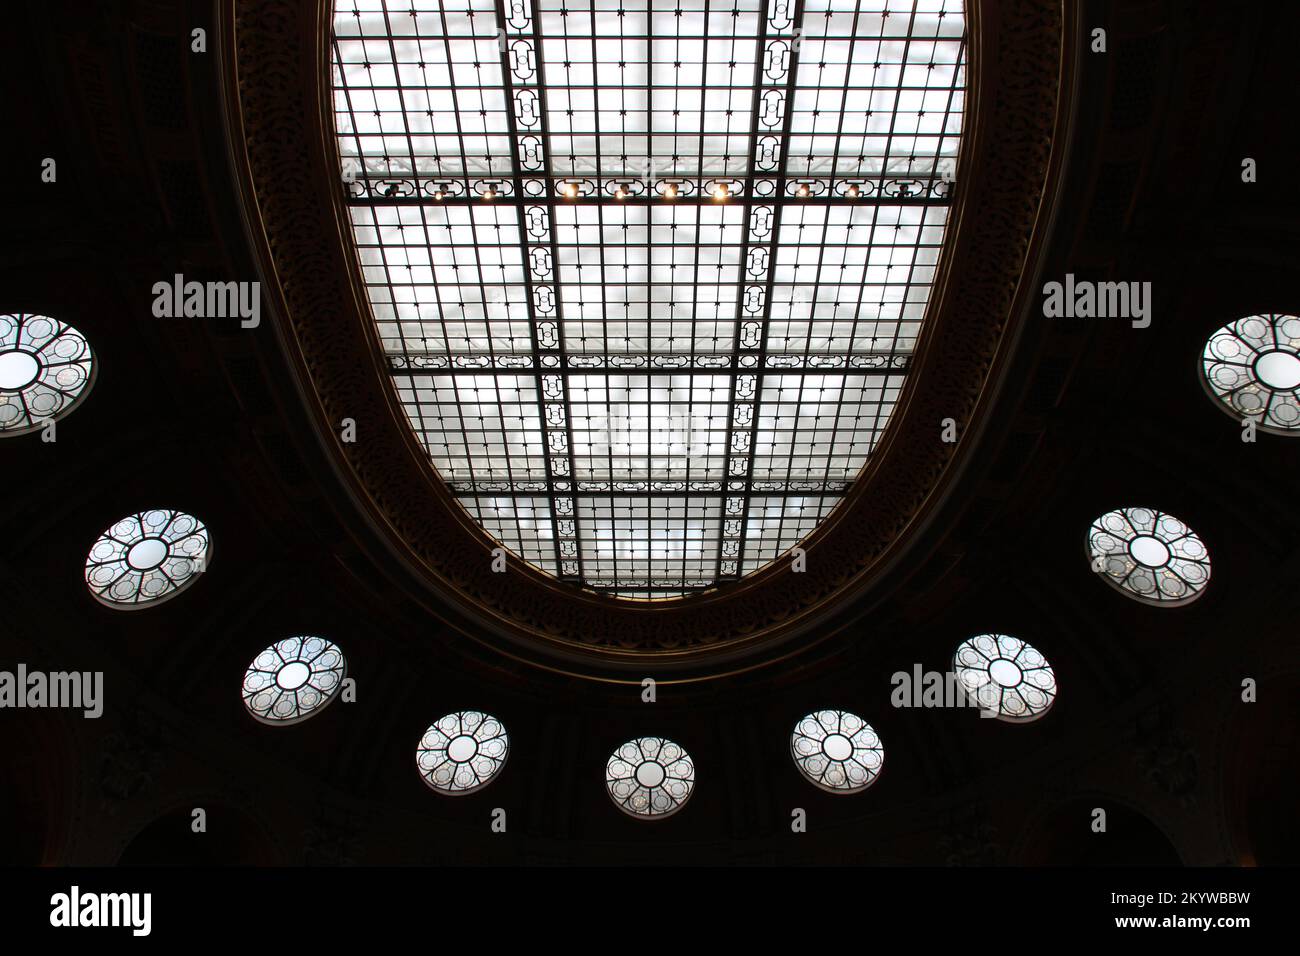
<point x="462" y="752"/>
<point x="837" y="751"/>
<point x="650" y="777"/>
<point x="1150" y="556"/>
<point x="45" y="368"/>
<point x="1005" y="676"/>
<point x="146" y="558"/>
<point x="1252" y="367"/>
<point x="293" y="679"/>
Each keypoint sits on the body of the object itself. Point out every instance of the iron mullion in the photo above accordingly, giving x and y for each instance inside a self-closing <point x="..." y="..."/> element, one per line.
<point x="656" y="494"/>
<point x="747" y="191"/>
<point x="731" y="370"/>
<point x="781" y="178"/>
<point x="681" y="200"/>
<point x="508" y="89"/>
<point x="550" y="179"/>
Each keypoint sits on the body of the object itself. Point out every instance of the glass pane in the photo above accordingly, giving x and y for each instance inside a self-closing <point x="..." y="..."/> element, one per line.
<point x="648" y="273"/>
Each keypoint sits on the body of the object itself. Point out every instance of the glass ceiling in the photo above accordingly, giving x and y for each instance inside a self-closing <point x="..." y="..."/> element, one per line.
<point x="648" y="273"/>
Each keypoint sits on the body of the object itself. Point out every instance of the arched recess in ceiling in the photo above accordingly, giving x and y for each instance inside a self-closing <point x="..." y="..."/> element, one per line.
<point x="1064" y="836"/>
<point x="1261" y="782"/>
<point x="1021" y="68"/>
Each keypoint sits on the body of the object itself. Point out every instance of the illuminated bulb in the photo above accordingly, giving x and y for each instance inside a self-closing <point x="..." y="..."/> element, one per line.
<point x="670" y="191"/>
<point x="721" y="191"/>
<point x="852" y="191"/>
<point x="571" y="190"/>
<point x="490" y="193"/>
<point x="439" y="194"/>
<point x="620" y="193"/>
<point x="803" y="190"/>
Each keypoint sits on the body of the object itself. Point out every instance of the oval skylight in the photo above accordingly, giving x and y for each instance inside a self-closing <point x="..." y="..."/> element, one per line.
<point x="837" y="751"/>
<point x="293" y="679"/>
<point x="146" y="558"/>
<point x="649" y="293"/>
<point x="650" y="777"/>
<point x="1005" y="676"/>
<point x="462" y="752"/>
<point x="45" y="367"/>
<point x="1149" y="555"/>
<point x="1252" y="367"/>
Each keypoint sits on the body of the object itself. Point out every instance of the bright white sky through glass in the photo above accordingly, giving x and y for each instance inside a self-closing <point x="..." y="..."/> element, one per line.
<point x="648" y="273"/>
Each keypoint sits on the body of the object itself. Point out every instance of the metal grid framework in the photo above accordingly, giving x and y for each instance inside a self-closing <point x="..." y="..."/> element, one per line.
<point x="648" y="273"/>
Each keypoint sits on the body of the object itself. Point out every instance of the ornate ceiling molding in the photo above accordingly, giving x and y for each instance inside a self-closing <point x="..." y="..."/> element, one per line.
<point x="279" y="127"/>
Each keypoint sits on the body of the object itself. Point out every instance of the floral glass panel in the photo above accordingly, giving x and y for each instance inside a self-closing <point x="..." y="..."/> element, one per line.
<point x="146" y="558"/>
<point x="293" y="679"/>
<point x="837" y="751"/>
<point x="462" y="752"/>
<point x="1149" y="555"/>
<point x="1005" y="676"/>
<point x="1252" y="367"/>
<point x="650" y="777"/>
<point x="45" y="368"/>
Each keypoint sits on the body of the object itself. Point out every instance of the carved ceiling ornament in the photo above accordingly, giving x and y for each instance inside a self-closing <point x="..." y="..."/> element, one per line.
<point x="276" y="62"/>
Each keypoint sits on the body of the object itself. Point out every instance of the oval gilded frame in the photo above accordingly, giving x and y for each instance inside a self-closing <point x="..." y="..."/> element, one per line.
<point x="279" y="127"/>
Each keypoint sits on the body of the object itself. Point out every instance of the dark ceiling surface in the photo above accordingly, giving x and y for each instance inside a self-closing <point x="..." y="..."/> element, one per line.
<point x="198" y="415"/>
